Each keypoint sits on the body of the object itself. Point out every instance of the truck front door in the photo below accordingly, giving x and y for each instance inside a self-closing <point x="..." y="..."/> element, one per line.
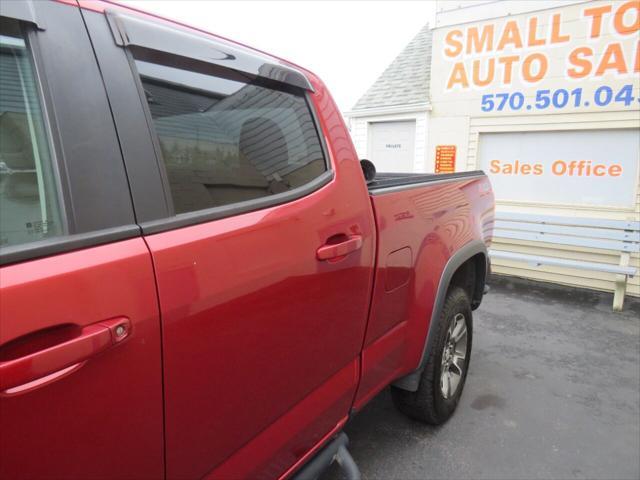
<point x="262" y="241"/>
<point x="264" y="311"/>
<point x="80" y="362"/>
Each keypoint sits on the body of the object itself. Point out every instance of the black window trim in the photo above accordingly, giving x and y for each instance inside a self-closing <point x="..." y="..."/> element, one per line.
<point x="65" y="244"/>
<point x="32" y="26"/>
<point x="155" y="142"/>
<point x="173" y="220"/>
<point x="31" y="250"/>
<point x="157" y="35"/>
<point x="52" y="132"/>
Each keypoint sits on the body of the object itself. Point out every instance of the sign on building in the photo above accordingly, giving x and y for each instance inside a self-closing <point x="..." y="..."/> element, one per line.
<point x="445" y="159"/>
<point x="548" y="61"/>
<point x="563" y="167"/>
<point x="541" y="88"/>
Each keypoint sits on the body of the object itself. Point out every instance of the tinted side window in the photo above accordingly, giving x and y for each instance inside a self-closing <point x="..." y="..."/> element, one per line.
<point x="29" y="208"/>
<point x="225" y="141"/>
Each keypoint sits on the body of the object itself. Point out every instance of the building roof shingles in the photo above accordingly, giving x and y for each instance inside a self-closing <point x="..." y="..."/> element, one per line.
<point x="406" y="80"/>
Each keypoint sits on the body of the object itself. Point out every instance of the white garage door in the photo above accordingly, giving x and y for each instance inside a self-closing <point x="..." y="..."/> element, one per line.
<point x="391" y="146"/>
<point x="589" y="168"/>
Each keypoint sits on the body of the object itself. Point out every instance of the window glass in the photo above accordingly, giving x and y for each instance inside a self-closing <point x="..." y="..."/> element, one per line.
<point x="28" y="197"/>
<point x="225" y="141"/>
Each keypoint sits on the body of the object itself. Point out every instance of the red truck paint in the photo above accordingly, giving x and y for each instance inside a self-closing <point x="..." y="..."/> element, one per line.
<point x="448" y="216"/>
<point x="203" y="384"/>
<point x="258" y="319"/>
<point x="87" y="423"/>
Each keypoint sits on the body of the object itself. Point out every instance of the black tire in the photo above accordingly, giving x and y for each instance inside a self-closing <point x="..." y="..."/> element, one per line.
<point x="429" y="404"/>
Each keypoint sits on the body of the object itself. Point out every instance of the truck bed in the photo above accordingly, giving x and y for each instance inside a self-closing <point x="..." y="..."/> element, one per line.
<point x="389" y="180"/>
<point x="423" y="221"/>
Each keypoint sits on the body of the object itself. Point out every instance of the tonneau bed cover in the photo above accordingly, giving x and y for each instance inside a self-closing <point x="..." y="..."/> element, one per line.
<point x="386" y="181"/>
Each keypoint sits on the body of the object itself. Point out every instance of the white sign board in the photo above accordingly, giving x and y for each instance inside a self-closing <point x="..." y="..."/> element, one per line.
<point x="581" y="58"/>
<point x="585" y="167"/>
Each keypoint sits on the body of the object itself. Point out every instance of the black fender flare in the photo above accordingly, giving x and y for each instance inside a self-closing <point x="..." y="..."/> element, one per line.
<point x="411" y="381"/>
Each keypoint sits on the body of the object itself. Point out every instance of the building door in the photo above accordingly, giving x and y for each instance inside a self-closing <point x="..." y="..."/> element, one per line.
<point x="391" y="145"/>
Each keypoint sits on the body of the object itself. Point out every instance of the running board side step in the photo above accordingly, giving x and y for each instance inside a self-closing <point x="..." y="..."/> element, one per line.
<point x="335" y="451"/>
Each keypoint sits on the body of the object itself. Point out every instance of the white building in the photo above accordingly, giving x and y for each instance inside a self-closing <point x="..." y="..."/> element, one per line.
<point x="389" y="123"/>
<point x="544" y="96"/>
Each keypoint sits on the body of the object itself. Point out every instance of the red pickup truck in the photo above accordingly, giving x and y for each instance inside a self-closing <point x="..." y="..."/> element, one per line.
<point x="197" y="279"/>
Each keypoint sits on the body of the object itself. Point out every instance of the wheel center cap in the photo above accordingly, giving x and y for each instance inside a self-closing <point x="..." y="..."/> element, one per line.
<point x="448" y="354"/>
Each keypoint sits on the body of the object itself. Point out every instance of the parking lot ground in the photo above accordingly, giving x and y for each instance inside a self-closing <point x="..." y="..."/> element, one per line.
<point x="553" y="392"/>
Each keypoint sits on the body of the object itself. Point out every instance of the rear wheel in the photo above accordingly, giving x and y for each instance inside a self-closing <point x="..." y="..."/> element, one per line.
<point x="445" y="372"/>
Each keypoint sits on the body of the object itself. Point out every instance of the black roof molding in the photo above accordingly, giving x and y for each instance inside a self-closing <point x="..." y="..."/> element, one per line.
<point x="22" y="10"/>
<point x="132" y="31"/>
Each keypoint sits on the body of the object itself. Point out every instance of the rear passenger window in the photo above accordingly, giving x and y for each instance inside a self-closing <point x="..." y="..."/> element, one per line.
<point x="29" y="209"/>
<point x="225" y="141"/>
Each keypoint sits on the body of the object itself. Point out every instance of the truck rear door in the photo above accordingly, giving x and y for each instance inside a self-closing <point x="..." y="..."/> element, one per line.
<point x="80" y="365"/>
<point x="262" y="241"/>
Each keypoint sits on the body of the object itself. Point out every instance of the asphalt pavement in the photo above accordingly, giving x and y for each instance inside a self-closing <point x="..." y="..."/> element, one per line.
<point x="553" y="392"/>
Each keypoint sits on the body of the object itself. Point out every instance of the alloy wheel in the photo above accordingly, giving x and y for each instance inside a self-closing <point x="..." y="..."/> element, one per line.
<point x="454" y="356"/>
